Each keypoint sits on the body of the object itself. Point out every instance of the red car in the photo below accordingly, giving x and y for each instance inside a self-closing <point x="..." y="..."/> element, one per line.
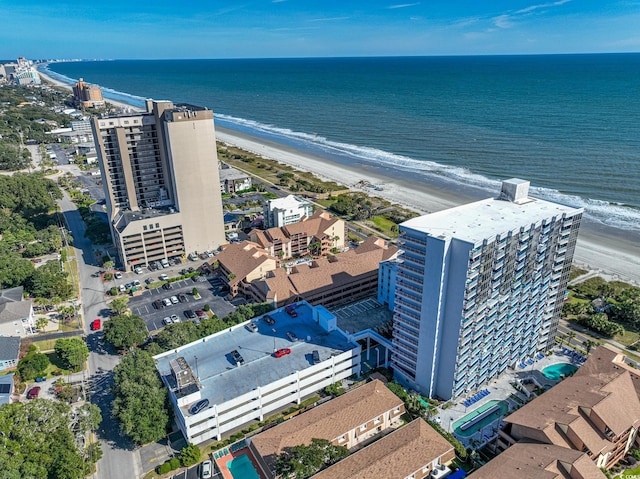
<point x="282" y="352"/>
<point x="33" y="392"/>
<point x="200" y="313"/>
<point x="95" y="324"/>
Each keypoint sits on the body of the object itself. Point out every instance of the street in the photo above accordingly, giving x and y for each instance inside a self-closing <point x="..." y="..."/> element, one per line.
<point x="119" y="460"/>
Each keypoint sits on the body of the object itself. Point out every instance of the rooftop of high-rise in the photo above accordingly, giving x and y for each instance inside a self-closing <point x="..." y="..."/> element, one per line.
<point x="487" y="218"/>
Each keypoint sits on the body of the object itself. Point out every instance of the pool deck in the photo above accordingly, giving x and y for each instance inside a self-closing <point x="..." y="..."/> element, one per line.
<point x="222" y="460"/>
<point x="500" y="390"/>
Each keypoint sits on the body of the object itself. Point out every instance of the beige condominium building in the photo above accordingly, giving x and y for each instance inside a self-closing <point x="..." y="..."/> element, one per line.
<point x="160" y="172"/>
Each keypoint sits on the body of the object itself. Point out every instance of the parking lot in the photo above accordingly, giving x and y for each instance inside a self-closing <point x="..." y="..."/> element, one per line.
<point x="208" y="288"/>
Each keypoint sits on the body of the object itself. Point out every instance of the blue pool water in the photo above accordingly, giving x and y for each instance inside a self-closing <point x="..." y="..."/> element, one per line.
<point x="241" y="468"/>
<point x="556" y="371"/>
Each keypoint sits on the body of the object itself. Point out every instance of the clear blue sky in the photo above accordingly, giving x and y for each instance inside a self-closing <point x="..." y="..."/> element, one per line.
<point x="310" y="28"/>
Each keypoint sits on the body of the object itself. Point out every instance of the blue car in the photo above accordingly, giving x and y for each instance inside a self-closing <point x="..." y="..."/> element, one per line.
<point x="199" y="406"/>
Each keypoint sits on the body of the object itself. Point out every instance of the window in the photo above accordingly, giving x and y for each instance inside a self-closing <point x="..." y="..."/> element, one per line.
<point x="377" y="420"/>
<point x="342" y="438"/>
<point x="144" y="227"/>
<point x="363" y="427"/>
<point x="157" y="225"/>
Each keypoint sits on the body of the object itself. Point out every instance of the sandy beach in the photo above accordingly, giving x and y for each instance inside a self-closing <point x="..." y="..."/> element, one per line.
<point x="612" y="253"/>
<point x="602" y="249"/>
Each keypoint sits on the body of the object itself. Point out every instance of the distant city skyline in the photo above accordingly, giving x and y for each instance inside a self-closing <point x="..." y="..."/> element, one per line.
<point x="293" y="28"/>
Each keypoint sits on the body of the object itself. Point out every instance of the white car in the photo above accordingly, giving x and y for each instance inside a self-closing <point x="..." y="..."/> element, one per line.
<point x="167" y="320"/>
<point x="166" y="302"/>
<point x="136" y="282"/>
<point x="163" y="277"/>
<point x="175" y="318"/>
<point x="122" y="288"/>
<point x="118" y="275"/>
<point x="174" y="299"/>
<point x="206" y="470"/>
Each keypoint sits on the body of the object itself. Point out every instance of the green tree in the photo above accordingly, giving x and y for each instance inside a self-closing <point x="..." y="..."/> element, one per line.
<point x="189" y="455"/>
<point x="176" y="335"/>
<point x="42" y="322"/>
<point x="124" y="331"/>
<point x="33" y="365"/>
<point x="108" y="265"/>
<point x="570" y="336"/>
<point x="305" y="460"/>
<point x="89" y="416"/>
<point x="119" y="305"/>
<point x="140" y="398"/>
<point x="589" y="345"/>
<point x="73" y="351"/>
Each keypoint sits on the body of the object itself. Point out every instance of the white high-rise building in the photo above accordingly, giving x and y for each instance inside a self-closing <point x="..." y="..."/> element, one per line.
<point x="480" y="288"/>
<point x="285" y="211"/>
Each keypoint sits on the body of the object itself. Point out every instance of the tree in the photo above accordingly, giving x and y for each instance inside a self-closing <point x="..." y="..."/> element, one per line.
<point x="189" y="455"/>
<point x="89" y="417"/>
<point x="119" y="305"/>
<point x="305" y="460"/>
<point x="570" y="335"/>
<point x="73" y="351"/>
<point x="108" y="265"/>
<point x="42" y="322"/>
<point x="33" y="365"/>
<point x="124" y="331"/>
<point x="140" y="398"/>
<point x="589" y="345"/>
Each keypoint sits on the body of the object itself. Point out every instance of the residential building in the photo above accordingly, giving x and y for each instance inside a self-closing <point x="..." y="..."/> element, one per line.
<point x="347" y="420"/>
<point x="16" y="313"/>
<point x="414" y="450"/>
<point x="243" y="381"/>
<point x="240" y="263"/>
<point x="9" y="352"/>
<point x="232" y="180"/>
<point x="597" y="413"/>
<point x="86" y="95"/>
<point x="318" y="234"/>
<point x="538" y="461"/>
<point x="285" y="211"/>
<point x="480" y="288"/>
<point x="330" y="281"/>
<point x="158" y="168"/>
<point x="6" y="388"/>
<point x="387" y="277"/>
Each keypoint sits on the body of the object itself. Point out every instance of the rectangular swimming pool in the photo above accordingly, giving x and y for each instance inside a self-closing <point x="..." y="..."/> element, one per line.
<point x="242" y="468"/>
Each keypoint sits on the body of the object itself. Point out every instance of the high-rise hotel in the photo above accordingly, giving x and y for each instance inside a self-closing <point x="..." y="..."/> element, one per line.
<point x="479" y="289"/>
<point x="160" y="173"/>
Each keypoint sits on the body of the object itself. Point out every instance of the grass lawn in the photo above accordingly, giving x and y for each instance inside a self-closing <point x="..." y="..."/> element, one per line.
<point x="628" y="338"/>
<point x="46" y="345"/>
<point x="384" y="225"/>
<point x="56" y="365"/>
<point x="629" y="473"/>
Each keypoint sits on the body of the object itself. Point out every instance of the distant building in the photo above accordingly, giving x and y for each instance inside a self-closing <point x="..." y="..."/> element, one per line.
<point x="238" y="374"/>
<point x="16" y="313"/>
<point x="285" y="211"/>
<point x="536" y="461"/>
<point x="479" y="289"/>
<point x="21" y="73"/>
<point x="415" y="450"/>
<point x="86" y="95"/>
<point x="232" y="180"/>
<point x="9" y="352"/>
<point x="158" y="169"/>
<point x="347" y="420"/>
<point x="387" y="273"/>
<point x="318" y="234"/>
<point x="331" y="281"/>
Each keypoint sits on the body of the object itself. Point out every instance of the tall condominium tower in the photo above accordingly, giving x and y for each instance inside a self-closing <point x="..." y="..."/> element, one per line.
<point x="480" y="289"/>
<point x="160" y="173"/>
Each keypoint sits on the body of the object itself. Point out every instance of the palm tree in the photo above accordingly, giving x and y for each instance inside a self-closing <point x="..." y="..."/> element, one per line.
<point x="589" y="345"/>
<point x="570" y="336"/>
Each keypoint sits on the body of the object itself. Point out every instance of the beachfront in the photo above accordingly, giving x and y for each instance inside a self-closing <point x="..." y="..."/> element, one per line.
<point x="606" y="250"/>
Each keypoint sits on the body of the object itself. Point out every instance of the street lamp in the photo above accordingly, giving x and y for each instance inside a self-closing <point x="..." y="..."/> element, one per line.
<point x="274" y="339"/>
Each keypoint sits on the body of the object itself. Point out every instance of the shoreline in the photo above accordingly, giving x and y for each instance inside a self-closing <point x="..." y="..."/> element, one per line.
<point x="613" y="253"/>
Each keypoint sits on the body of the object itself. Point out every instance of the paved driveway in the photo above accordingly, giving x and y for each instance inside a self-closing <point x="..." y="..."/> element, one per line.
<point x="209" y="290"/>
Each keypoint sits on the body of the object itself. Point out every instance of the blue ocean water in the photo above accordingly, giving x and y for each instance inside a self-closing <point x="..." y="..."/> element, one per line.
<point x="568" y="123"/>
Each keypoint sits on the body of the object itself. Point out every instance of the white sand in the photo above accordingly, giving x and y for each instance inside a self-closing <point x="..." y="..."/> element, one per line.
<point x="614" y="257"/>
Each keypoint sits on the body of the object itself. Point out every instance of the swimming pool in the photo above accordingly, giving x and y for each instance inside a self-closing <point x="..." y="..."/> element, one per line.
<point x="556" y="371"/>
<point x="241" y="468"/>
<point x="499" y="409"/>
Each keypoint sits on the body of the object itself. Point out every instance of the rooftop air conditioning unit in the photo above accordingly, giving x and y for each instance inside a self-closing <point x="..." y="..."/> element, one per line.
<point x="440" y="471"/>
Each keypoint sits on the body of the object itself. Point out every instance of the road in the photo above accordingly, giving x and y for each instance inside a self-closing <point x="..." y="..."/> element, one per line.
<point x="120" y="459"/>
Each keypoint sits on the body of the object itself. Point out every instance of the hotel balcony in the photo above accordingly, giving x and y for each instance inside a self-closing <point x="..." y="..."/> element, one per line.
<point x="408" y="296"/>
<point x="407" y="277"/>
<point x="404" y="285"/>
<point x="412" y="308"/>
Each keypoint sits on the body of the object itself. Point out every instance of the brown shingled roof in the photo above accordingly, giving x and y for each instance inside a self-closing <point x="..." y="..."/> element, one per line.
<point x="241" y="259"/>
<point x="538" y="461"/>
<point x="397" y="455"/>
<point x="327" y="421"/>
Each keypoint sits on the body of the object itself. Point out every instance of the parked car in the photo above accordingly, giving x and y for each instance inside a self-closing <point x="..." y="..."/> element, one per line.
<point x="122" y="288"/>
<point x="95" y="324"/>
<point x="182" y="298"/>
<point x="291" y="311"/>
<point x="128" y="285"/>
<point x="269" y="320"/>
<point x="282" y="352"/>
<point x="200" y="313"/>
<point x="237" y="357"/>
<point x="149" y="280"/>
<point x="174" y="299"/>
<point x="166" y="302"/>
<point x="315" y="356"/>
<point x="175" y="318"/>
<point x="137" y="270"/>
<point x="253" y="327"/>
<point x="206" y="470"/>
<point x="199" y="406"/>
<point x="292" y="336"/>
<point x="136" y="282"/>
<point x="34" y="392"/>
<point x="158" y="304"/>
<point x="163" y="277"/>
<point x="118" y="275"/>
<point x="167" y="286"/>
<point x="190" y="314"/>
<point x="167" y="320"/>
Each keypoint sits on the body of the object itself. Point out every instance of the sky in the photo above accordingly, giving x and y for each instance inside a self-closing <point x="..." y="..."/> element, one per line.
<point x="167" y="29"/>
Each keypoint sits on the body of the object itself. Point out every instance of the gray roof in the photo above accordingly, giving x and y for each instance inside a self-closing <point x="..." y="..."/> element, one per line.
<point x="14" y="311"/>
<point x="221" y="380"/>
<point x="5" y="397"/>
<point x="9" y="347"/>
<point x="11" y="295"/>
<point x="232" y="174"/>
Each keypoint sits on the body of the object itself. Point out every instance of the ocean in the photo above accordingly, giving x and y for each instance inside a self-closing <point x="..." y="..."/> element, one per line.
<point x="568" y="123"/>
